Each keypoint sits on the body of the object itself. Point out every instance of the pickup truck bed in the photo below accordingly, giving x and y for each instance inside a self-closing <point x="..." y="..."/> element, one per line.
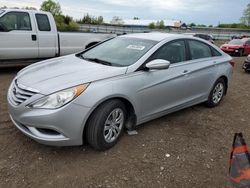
<point x="32" y="35"/>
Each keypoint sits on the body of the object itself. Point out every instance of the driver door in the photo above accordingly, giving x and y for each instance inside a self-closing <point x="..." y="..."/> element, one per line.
<point x="18" y="36"/>
<point x="166" y="89"/>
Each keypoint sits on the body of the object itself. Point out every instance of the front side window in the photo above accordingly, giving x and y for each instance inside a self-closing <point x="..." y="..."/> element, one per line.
<point x="173" y="52"/>
<point x="43" y="22"/>
<point x="120" y="51"/>
<point x="199" y="50"/>
<point x="15" y="21"/>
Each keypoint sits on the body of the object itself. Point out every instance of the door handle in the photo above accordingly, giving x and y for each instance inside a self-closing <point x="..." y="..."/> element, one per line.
<point x="33" y="37"/>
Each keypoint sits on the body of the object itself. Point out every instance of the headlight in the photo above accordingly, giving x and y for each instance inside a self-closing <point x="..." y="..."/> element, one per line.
<point x="58" y="99"/>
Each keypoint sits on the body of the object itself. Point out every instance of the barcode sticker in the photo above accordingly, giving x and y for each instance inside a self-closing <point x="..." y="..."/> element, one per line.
<point x="135" y="47"/>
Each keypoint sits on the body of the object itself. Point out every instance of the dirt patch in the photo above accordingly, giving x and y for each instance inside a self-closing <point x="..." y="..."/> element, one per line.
<point x="189" y="148"/>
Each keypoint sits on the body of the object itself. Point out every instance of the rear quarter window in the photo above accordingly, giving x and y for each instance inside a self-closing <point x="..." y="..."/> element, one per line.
<point x="215" y="52"/>
<point x="43" y="22"/>
<point x="199" y="50"/>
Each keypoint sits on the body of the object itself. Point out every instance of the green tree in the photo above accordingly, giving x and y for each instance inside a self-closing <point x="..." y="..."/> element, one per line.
<point x="201" y="25"/>
<point x="192" y="25"/>
<point x="234" y="25"/>
<point x="52" y="7"/>
<point x="151" y="25"/>
<point x="161" y="25"/>
<point x="245" y="19"/>
<point x="63" y="23"/>
<point x="87" y="19"/>
<point x="117" y="21"/>
<point x="100" y="20"/>
<point x="30" y="8"/>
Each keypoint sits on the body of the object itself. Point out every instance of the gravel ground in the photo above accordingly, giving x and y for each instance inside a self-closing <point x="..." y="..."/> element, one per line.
<point x="189" y="148"/>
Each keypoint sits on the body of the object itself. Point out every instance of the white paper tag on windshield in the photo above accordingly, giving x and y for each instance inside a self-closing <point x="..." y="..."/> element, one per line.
<point x="135" y="47"/>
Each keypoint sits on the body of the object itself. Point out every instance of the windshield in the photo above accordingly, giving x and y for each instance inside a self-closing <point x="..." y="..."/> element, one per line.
<point x="120" y="51"/>
<point x="236" y="42"/>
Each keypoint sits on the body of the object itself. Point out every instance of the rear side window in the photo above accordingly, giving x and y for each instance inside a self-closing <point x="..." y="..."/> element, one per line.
<point x="173" y="52"/>
<point x="43" y="22"/>
<point x="215" y="52"/>
<point x="199" y="50"/>
<point x="15" y="21"/>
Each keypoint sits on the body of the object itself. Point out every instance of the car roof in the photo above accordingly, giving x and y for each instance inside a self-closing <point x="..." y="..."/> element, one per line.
<point x="23" y="10"/>
<point x="154" y="36"/>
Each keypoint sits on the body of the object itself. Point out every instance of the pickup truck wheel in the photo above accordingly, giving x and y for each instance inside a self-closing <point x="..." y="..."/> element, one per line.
<point x="106" y="125"/>
<point x="217" y="93"/>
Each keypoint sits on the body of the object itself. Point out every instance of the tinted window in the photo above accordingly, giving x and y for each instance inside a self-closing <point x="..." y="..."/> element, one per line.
<point x="174" y="52"/>
<point x="215" y="52"/>
<point x="43" y="22"/>
<point x="248" y="42"/>
<point x="15" y="21"/>
<point x="199" y="50"/>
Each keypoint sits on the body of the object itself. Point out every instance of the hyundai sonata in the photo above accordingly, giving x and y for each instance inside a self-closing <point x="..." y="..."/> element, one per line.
<point x="116" y="85"/>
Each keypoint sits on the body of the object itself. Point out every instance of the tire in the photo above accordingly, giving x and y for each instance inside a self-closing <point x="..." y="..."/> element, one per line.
<point x="241" y="52"/>
<point x="103" y="118"/>
<point x="216" y="91"/>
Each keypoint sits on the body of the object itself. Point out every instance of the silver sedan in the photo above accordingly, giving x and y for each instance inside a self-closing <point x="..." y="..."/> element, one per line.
<point x="116" y="85"/>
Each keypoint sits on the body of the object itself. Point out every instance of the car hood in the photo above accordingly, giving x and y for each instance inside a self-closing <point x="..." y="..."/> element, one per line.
<point x="64" y="72"/>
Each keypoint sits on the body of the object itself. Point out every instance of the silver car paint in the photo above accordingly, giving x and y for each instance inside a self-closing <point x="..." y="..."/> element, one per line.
<point x="152" y="93"/>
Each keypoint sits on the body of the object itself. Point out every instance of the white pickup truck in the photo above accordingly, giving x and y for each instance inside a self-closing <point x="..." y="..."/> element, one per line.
<point x="32" y="35"/>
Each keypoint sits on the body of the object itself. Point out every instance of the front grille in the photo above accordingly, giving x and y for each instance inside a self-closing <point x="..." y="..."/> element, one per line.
<point x="20" y="93"/>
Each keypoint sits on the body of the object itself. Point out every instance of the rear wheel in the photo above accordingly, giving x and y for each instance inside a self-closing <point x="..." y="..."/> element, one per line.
<point x="106" y="125"/>
<point x="217" y="93"/>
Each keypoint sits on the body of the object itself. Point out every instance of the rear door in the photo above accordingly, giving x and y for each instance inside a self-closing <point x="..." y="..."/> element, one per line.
<point x="18" y="36"/>
<point x="47" y="36"/>
<point x="202" y="70"/>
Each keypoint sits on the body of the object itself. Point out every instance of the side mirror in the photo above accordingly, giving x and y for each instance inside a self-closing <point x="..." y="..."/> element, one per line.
<point x="158" y="64"/>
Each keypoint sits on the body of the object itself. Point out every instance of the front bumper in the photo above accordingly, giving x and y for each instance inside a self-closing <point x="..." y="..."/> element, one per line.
<point x="58" y="127"/>
<point x="231" y="51"/>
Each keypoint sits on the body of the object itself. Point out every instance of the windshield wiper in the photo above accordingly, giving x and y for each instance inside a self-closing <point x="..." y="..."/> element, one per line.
<point x="96" y="60"/>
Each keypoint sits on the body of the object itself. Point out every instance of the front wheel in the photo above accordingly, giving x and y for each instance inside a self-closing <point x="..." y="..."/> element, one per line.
<point x="241" y="52"/>
<point x="106" y="125"/>
<point x="217" y="93"/>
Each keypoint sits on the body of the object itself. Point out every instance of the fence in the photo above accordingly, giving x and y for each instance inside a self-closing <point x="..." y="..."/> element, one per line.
<point x="217" y="33"/>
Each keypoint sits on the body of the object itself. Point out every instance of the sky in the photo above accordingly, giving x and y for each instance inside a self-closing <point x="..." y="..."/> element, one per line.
<point x="209" y="12"/>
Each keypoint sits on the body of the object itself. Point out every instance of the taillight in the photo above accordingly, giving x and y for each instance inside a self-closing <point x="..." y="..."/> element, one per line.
<point x="232" y="63"/>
